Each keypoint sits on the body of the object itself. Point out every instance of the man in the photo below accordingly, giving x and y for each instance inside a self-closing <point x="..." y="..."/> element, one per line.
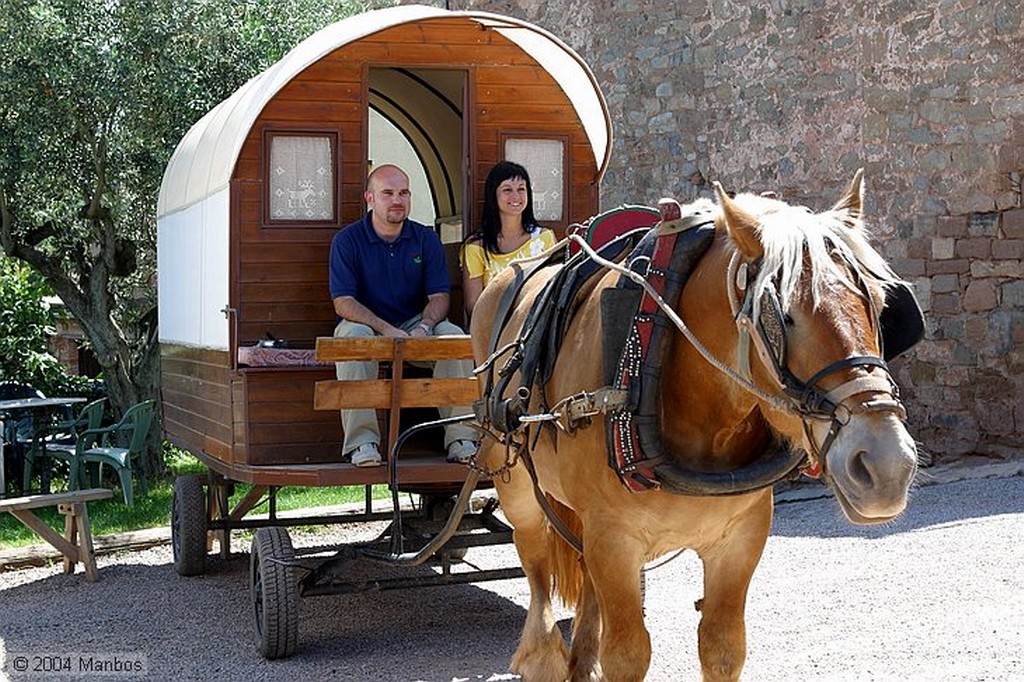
<point x="388" y="278"/>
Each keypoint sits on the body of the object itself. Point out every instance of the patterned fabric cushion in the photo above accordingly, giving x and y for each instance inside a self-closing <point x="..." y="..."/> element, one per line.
<point x="254" y="356"/>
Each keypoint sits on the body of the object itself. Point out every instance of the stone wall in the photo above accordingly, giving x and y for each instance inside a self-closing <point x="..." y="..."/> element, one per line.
<point x="794" y="96"/>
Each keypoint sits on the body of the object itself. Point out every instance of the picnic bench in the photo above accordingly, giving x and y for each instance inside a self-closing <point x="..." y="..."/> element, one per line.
<point x="76" y="543"/>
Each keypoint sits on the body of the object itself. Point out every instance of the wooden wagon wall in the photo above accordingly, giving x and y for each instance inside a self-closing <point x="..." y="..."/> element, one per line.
<point x="195" y="388"/>
<point x="279" y="274"/>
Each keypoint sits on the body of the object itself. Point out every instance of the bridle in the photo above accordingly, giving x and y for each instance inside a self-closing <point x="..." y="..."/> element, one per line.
<point x="761" y="320"/>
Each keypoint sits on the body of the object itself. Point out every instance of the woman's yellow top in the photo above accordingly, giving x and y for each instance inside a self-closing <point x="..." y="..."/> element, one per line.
<point x="479" y="263"/>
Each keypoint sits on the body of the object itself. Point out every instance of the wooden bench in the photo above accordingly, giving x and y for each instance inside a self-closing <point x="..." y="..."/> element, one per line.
<point x="399" y="391"/>
<point x="76" y="544"/>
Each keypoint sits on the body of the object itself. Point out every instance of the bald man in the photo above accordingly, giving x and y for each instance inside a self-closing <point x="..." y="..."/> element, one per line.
<point x="388" y="278"/>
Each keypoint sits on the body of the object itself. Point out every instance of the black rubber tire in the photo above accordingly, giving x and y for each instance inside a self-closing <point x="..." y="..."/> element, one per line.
<point x="188" y="526"/>
<point x="274" y="593"/>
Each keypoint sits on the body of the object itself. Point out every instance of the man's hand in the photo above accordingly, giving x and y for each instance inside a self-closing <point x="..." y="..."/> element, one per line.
<point x="352" y="310"/>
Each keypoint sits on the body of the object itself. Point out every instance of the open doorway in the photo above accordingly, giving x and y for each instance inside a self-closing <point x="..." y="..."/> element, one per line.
<point x="416" y="121"/>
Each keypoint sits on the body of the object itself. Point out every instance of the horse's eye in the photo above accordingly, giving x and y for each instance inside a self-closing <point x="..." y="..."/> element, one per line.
<point x="788" y="320"/>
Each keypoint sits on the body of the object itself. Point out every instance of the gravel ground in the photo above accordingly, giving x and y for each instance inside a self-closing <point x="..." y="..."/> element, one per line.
<point x="936" y="595"/>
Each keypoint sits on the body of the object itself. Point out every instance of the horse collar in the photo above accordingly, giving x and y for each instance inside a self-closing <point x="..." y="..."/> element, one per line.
<point x="667" y="257"/>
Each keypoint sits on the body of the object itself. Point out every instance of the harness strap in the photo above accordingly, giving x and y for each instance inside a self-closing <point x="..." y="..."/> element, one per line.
<point x="860" y="360"/>
<point x="633" y="434"/>
<point x="504" y="413"/>
<point x="536" y="345"/>
<point x="859" y="385"/>
<point x="556" y="522"/>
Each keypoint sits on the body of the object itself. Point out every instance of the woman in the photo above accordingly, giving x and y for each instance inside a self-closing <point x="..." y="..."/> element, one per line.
<point x="508" y="230"/>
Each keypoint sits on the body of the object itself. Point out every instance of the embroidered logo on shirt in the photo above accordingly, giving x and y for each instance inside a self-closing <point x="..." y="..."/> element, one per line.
<point x="417" y="259"/>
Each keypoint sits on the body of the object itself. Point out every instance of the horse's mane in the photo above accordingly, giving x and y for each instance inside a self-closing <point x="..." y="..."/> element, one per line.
<point x="789" y="234"/>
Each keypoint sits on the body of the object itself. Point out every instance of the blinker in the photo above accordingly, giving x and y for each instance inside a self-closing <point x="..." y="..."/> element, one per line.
<point x="741" y="277"/>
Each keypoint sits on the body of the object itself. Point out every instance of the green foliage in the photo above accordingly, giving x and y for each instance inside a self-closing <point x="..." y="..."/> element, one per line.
<point x="94" y="98"/>
<point x="26" y="320"/>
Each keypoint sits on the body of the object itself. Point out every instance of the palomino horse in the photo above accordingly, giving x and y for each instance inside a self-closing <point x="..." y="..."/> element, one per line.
<point x="828" y="285"/>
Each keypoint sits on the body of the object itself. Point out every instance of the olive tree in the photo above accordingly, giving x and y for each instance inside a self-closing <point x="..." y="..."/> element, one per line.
<point x="94" y="96"/>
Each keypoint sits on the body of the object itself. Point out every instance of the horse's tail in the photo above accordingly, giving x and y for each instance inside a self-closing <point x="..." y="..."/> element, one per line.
<point x="566" y="566"/>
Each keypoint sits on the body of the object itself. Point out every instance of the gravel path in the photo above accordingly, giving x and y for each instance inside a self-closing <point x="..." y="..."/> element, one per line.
<point x="937" y="595"/>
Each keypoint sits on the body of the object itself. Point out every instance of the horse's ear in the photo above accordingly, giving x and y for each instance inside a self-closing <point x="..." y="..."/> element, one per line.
<point x="853" y="201"/>
<point x="741" y="225"/>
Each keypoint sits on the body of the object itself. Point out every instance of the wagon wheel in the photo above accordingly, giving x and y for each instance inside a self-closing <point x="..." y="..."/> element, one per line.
<point x="274" y="593"/>
<point x="188" y="526"/>
<point x="439" y="508"/>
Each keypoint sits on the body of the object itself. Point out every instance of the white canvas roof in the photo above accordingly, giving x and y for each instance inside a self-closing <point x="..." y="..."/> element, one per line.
<point x="204" y="161"/>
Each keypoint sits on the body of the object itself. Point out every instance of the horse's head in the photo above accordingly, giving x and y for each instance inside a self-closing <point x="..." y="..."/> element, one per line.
<point x="806" y="291"/>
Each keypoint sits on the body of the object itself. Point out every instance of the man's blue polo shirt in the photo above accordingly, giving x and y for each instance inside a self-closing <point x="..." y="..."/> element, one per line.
<point x="391" y="279"/>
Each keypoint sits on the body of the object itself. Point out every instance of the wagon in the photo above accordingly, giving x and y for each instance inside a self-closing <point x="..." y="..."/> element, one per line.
<point x="249" y="203"/>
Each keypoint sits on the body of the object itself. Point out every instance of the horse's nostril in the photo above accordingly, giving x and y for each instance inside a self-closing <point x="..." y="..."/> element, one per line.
<point x="858" y="468"/>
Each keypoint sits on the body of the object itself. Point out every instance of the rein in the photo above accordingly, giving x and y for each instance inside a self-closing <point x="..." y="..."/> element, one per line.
<point x="760" y="322"/>
<point x="803" y="399"/>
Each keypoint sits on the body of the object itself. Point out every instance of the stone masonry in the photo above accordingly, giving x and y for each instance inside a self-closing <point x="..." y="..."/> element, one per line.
<point x="794" y="96"/>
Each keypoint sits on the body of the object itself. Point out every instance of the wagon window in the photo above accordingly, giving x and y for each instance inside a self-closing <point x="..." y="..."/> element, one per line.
<point x="544" y="159"/>
<point x="301" y="178"/>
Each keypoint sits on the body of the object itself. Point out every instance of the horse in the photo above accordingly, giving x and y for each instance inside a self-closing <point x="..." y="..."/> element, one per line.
<point x="722" y="400"/>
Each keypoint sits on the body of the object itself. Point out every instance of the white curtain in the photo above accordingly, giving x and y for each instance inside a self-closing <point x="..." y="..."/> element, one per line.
<point x="544" y="160"/>
<point x="301" y="178"/>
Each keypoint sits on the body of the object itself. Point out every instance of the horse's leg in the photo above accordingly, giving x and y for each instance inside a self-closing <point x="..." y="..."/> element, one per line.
<point x="542" y="653"/>
<point x="613" y="565"/>
<point x="728" y="567"/>
<point x="586" y="636"/>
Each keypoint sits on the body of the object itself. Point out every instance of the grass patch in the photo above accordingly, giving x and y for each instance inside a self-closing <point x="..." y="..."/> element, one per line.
<point x="154" y="509"/>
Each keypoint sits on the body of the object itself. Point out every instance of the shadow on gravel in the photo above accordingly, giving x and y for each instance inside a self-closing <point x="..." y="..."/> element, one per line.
<point x="928" y="507"/>
<point x="199" y="628"/>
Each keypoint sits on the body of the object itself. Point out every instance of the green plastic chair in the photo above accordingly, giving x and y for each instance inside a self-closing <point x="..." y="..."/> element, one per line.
<point x="59" y="439"/>
<point x="97" y="447"/>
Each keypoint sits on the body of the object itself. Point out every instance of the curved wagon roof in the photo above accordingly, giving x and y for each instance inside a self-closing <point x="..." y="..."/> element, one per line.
<point x="204" y="161"/>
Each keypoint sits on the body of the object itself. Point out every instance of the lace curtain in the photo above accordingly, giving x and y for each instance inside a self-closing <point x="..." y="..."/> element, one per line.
<point x="544" y="160"/>
<point x="301" y="178"/>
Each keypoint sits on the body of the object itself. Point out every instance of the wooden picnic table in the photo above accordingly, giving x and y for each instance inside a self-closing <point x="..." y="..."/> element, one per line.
<point x="76" y="543"/>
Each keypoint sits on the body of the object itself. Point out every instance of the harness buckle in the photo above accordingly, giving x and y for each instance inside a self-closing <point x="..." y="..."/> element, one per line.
<point x="588" y="404"/>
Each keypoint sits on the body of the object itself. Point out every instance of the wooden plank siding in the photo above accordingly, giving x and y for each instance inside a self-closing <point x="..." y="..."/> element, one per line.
<point x="282" y="425"/>
<point x="196" y="399"/>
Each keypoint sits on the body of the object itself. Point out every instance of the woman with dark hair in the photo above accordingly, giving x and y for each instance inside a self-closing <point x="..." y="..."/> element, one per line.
<point x="507" y="231"/>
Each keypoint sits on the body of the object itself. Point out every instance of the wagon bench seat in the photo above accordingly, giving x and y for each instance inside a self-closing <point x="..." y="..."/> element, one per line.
<point x="399" y="391"/>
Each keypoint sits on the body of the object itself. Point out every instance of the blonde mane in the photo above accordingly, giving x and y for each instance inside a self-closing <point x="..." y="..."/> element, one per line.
<point x="791" y="234"/>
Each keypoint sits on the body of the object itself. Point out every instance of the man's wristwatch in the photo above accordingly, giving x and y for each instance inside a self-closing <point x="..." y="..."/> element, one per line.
<point x="427" y="328"/>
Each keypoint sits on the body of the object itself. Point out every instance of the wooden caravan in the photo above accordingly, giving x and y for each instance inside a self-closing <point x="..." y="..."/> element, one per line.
<point x="258" y="187"/>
